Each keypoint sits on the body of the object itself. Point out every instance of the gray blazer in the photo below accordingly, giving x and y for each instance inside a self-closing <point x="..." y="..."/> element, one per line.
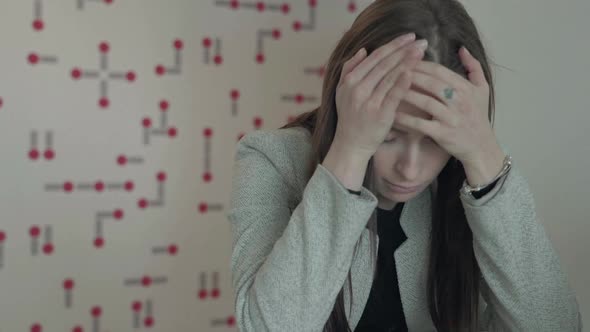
<point x="293" y="246"/>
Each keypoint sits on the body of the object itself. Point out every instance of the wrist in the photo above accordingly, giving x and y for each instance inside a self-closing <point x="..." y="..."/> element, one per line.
<point x="348" y="165"/>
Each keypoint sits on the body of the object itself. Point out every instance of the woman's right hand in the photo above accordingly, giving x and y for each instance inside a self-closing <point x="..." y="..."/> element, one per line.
<point x="370" y="90"/>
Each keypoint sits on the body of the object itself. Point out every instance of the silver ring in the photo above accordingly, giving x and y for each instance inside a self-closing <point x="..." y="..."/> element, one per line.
<point x="448" y="93"/>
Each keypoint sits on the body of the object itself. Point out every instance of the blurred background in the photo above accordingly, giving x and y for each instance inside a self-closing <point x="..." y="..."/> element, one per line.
<point x="118" y="125"/>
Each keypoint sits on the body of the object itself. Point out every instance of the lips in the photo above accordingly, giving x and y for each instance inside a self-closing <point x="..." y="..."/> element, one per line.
<point x="403" y="188"/>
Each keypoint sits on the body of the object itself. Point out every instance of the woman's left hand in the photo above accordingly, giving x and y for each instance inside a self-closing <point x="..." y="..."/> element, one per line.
<point x="460" y="123"/>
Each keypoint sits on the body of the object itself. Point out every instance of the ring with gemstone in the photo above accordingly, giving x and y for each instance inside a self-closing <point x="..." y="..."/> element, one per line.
<point x="448" y="93"/>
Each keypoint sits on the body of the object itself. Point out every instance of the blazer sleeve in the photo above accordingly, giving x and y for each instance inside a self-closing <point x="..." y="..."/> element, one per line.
<point x="289" y="266"/>
<point x="523" y="282"/>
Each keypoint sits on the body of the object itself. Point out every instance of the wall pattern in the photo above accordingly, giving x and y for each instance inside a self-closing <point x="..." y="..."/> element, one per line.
<point x="119" y="120"/>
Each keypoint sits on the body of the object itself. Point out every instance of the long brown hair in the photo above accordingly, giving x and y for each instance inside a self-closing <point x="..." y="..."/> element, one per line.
<point x="453" y="273"/>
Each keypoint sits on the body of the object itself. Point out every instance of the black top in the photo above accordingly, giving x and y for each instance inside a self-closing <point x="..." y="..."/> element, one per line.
<point x="383" y="311"/>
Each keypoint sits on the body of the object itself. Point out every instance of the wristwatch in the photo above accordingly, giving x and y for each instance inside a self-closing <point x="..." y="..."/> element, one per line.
<point x="478" y="190"/>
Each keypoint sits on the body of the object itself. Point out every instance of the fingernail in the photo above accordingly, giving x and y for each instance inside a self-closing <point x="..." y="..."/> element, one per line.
<point x="408" y="36"/>
<point x="421" y="44"/>
<point x="466" y="50"/>
<point x="360" y="52"/>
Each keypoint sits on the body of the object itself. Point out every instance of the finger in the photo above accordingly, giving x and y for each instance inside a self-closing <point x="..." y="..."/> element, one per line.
<point x="379" y="54"/>
<point x="353" y="62"/>
<point x="443" y="73"/>
<point x="426" y="127"/>
<point x="435" y="88"/>
<point x="396" y="93"/>
<point x="390" y="79"/>
<point x="430" y="105"/>
<point x="476" y="74"/>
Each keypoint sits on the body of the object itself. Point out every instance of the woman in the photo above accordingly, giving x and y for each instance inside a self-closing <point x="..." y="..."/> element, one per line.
<point x="325" y="239"/>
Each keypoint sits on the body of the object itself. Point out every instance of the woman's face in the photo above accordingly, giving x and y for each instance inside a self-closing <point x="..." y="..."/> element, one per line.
<point x="411" y="159"/>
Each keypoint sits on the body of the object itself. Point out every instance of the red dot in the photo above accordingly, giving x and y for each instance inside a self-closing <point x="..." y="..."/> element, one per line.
<point x="234" y="94"/>
<point x="38" y="24"/>
<point x="164" y="105"/>
<point x="146" y="122"/>
<point x="2" y="236"/>
<point x="299" y="98"/>
<point x="172" y="249"/>
<point x="149" y="321"/>
<point x="285" y="8"/>
<point x="313" y="3"/>
<point x="99" y="242"/>
<point x="99" y="186"/>
<point x="96" y="311"/>
<point x="260" y="58"/>
<point x="215" y="293"/>
<point x="131" y="76"/>
<point x="78" y="329"/>
<point x="178" y="44"/>
<point x="234" y="4"/>
<point x="33" y="58"/>
<point x="136" y="306"/>
<point x="68" y="284"/>
<point x="202" y="293"/>
<point x="217" y="59"/>
<point x="276" y="33"/>
<point x="297" y="25"/>
<point x="68" y="186"/>
<point x="203" y="207"/>
<point x="76" y="73"/>
<point x="103" y="47"/>
<point x="129" y="185"/>
<point x="103" y="102"/>
<point x="36" y="327"/>
<point x="231" y="321"/>
<point x="143" y="203"/>
<point x="34" y="231"/>
<point x="146" y="281"/>
<point x="49" y="154"/>
<point x="207" y="42"/>
<point x="207" y="176"/>
<point x="1" y="102"/>
<point x="48" y="248"/>
<point x="257" y="122"/>
<point x="160" y="70"/>
<point x="260" y="6"/>
<point x="172" y="131"/>
<point x="108" y="1"/>
<point x="352" y="7"/>
<point x="208" y="132"/>
<point x="118" y="214"/>
<point x="121" y="160"/>
<point x="161" y="176"/>
<point x="34" y="154"/>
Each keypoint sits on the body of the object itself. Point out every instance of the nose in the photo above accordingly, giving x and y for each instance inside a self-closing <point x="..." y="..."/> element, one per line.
<point x="407" y="165"/>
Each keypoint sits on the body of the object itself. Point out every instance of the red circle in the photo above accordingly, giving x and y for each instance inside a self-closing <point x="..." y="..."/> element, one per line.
<point x="136" y="306"/>
<point x="118" y="214"/>
<point x="215" y="293"/>
<point x="313" y="3"/>
<point x="131" y="76"/>
<point x="33" y="58"/>
<point x="160" y="70"/>
<point x="142" y="203"/>
<point x="149" y="321"/>
<point x="297" y="25"/>
<point x="96" y="311"/>
<point x="172" y="249"/>
<point x="299" y="98"/>
<point x="217" y="59"/>
<point x="231" y="321"/>
<point x="161" y="176"/>
<point x="34" y="154"/>
<point x="202" y="293"/>
<point x="203" y="207"/>
<point x="99" y="186"/>
<point x="49" y="154"/>
<point x="178" y="44"/>
<point x="121" y="160"/>
<point x="207" y="176"/>
<point x="260" y="6"/>
<point x="164" y="105"/>
<point x="34" y="231"/>
<point x="146" y="281"/>
<point x="352" y="7"/>
<point x="2" y="236"/>
<point x="129" y="185"/>
<point x="257" y="122"/>
<point x="38" y="24"/>
<point x="276" y="33"/>
<point x="76" y="73"/>
<point x="48" y="248"/>
<point x="285" y="8"/>
<point x="36" y="327"/>
<point x="146" y="122"/>
<point x="260" y="58"/>
<point x="1" y="102"/>
<point x="68" y="186"/>
<point x="207" y="42"/>
<point x="234" y="94"/>
<point x="68" y="284"/>
<point x="208" y="132"/>
<point x="172" y="131"/>
<point x="108" y="1"/>
<point x="103" y="47"/>
<point x="103" y="102"/>
<point x="99" y="242"/>
<point x="234" y="4"/>
<point x="78" y="329"/>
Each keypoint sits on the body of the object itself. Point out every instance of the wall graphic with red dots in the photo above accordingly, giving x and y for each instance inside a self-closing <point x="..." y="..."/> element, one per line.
<point x="119" y="125"/>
